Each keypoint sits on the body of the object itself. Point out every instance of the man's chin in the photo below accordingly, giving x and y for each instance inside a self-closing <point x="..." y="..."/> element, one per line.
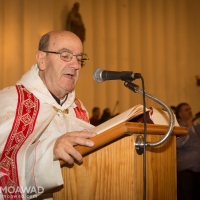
<point x="68" y="87"/>
<point x="69" y="90"/>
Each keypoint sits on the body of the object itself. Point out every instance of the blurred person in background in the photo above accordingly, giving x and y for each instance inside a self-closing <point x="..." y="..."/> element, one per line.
<point x="106" y="115"/>
<point x="95" y="120"/>
<point x="188" y="156"/>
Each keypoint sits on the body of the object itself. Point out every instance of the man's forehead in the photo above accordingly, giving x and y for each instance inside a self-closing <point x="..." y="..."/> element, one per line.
<point x="56" y="39"/>
<point x="64" y="41"/>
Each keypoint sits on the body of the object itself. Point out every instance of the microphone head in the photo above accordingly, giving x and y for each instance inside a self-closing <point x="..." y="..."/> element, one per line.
<point x="97" y="75"/>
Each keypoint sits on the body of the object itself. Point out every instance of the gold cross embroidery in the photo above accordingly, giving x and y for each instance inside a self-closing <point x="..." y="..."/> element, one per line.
<point x="65" y="111"/>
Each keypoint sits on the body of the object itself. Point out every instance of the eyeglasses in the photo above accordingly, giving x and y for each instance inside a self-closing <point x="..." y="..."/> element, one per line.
<point x="67" y="56"/>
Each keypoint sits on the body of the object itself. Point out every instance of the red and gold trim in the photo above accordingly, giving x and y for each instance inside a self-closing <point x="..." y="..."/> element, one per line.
<point x="80" y="113"/>
<point x="23" y="125"/>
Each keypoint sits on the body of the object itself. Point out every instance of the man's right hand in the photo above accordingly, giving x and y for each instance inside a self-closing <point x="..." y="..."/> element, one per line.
<point x="64" y="145"/>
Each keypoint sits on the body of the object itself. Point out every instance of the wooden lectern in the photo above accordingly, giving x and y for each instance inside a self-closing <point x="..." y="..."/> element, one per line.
<point x="112" y="169"/>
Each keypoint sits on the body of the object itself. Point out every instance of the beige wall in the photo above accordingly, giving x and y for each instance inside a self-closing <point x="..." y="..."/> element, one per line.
<point x="157" y="38"/>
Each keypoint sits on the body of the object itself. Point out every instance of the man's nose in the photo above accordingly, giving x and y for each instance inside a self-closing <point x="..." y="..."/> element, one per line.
<point x="75" y="63"/>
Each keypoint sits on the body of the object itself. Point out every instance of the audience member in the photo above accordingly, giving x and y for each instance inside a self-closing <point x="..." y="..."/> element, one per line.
<point x="94" y="120"/>
<point x="106" y="115"/>
<point x="188" y="156"/>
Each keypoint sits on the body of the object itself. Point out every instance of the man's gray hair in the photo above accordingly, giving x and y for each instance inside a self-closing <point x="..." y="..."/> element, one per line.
<point x="44" y="42"/>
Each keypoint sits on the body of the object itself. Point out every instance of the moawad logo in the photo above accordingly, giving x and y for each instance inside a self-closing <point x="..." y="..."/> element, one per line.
<point x="22" y="190"/>
<point x="14" y="192"/>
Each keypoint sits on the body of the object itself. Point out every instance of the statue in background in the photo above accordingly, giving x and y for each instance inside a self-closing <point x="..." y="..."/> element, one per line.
<point x="75" y="23"/>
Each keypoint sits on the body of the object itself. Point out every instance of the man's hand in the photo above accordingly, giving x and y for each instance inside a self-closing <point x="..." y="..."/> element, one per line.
<point x="64" y="145"/>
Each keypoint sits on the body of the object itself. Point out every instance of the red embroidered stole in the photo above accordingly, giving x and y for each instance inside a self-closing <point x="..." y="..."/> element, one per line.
<point x="80" y="113"/>
<point x="23" y="126"/>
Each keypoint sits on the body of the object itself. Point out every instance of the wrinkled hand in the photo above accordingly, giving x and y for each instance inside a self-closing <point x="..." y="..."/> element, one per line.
<point x="64" y="145"/>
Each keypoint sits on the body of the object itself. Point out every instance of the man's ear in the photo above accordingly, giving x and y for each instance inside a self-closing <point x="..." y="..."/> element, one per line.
<point x="40" y="58"/>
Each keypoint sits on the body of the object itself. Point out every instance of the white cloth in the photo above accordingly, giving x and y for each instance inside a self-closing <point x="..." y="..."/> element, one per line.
<point x="35" y="158"/>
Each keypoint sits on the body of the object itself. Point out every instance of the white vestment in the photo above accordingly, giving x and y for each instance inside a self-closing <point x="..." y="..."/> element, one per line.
<point x="35" y="165"/>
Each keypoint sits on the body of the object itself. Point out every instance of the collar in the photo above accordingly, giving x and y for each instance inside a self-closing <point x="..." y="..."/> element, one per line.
<point x="59" y="101"/>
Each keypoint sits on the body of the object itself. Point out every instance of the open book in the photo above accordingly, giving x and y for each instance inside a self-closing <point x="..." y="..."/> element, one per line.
<point x="135" y="114"/>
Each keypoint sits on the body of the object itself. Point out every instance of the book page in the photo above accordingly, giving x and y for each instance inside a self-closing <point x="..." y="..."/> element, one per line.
<point x="125" y="116"/>
<point x="160" y="116"/>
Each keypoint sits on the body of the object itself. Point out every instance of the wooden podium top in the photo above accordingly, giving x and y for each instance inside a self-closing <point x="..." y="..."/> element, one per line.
<point x="124" y="129"/>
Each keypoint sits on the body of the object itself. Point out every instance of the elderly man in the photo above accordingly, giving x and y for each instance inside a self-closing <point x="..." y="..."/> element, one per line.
<point x="41" y="120"/>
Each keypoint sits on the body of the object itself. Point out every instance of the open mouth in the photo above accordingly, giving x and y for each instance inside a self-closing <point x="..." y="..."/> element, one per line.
<point x="70" y="76"/>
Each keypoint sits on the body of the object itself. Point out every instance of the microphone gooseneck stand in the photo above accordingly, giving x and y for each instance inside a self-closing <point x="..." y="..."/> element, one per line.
<point x="141" y="143"/>
<point x="136" y="89"/>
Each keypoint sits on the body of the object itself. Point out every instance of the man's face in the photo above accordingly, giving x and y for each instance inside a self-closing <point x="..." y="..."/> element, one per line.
<point x="60" y="76"/>
<point x="185" y="112"/>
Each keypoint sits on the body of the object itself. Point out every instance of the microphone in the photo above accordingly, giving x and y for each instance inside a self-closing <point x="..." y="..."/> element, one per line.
<point x="101" y="75"/>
